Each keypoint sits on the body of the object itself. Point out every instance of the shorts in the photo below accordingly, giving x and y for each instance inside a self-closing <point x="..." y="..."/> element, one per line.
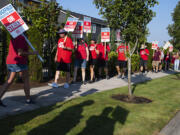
<point x="102" y="63"/>
<point x="61" y="66"/>
<point x="143" y="63"/>
<point x="17" y="67"/>
<point x="155" y="63"/>
<point x="80" y="63"/>
<point x="121" y="64"/>
<point x="92" y="62"/>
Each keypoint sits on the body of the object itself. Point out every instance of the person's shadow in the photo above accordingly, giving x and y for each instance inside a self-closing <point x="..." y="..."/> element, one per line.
<point x="64" y="122"/>
<point x="105" y="122"/>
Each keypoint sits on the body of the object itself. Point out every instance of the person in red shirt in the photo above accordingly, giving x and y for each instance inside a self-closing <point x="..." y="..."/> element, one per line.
<point x="63" y="58"/>
<point x="144" y="54"/>
<point x="122" y="60"/>
<point x="81" y="58"/>
<point x="103" y="49"/>
<point x="17" y="62"/>
<point x="93" y="58"/>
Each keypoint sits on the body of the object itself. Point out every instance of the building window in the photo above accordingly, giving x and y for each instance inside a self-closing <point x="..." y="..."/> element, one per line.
<point x="93" y="28"/>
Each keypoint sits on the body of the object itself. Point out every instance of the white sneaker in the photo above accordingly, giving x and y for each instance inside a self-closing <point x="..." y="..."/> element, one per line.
<point x="54" y="85"/>
<point x="66" y="85"/>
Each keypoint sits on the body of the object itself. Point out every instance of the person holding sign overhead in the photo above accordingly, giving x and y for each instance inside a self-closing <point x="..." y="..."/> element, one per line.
<point x="63" y="58"/>
<point x="17" y="62"/>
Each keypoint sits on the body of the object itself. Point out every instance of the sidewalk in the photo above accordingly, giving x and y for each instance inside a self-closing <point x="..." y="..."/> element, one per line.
<point x="44" y="96"/>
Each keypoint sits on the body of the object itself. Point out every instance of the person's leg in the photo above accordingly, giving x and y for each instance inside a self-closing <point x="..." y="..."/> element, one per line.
<point x="57" y="76"/>
<point x="118" y="70"/>
<point x="75" y="74"/>
<point x="25" y="77"/>
<point x="91" y="72"/>
<point x="100" y="72"/>
<point x="83" y="74"/>
<point x="67" y="77"/>
<point x="9" y="81"/>
<point x="177" y="64"/>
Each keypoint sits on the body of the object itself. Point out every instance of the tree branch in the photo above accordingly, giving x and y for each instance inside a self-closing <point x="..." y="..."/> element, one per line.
<point x="134" y="47"/>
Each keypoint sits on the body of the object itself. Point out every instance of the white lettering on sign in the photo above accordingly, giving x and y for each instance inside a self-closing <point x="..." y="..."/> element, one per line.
<point x="10" y="19"/>
<point x="15" y="25"/>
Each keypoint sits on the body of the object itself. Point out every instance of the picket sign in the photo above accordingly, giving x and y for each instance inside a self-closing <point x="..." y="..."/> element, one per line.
<point x="87" y="24"/>
<point x="78" y="32"/>
<point x="171" y="48"/>
<point x="105" y="34"/>
<point x="70" y="24"/>
<point x="154" y="45"/>
<point x="14" y="23"/>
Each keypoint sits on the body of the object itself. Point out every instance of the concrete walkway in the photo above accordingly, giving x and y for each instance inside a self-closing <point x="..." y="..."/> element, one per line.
<point x="44" y="96"/>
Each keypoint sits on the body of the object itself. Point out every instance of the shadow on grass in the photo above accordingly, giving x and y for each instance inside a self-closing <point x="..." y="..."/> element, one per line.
<point x="104" y="123"/>
<point x="64" y="122"/>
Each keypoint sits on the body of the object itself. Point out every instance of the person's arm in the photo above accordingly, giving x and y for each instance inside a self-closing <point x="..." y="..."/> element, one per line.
<point x="97" y="51"/>
<point x="87" y="52"/>
<point x="68" y="45"/>
<point x="55" y="58"/>
<point x="24" y="53"/>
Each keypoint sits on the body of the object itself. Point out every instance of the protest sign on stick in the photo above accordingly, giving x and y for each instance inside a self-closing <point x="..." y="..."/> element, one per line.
<point x="70" y="24"/>
<point x="14" y="23"/>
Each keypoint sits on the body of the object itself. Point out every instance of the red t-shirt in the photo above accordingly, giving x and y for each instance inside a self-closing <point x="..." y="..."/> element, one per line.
<point x="92" y="51"/>
<point x="101" y="49"/>
<point x="121" y="52"/>
<point x="64" y="55"/>
<point x="13" y="57"/>
<point x="143" y="55"/>
<point x="81" y="51"/>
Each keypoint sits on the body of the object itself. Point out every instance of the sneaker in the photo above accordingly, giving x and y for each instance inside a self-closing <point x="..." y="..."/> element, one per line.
<point x="84" y="83"/>
<point x="107" y="77"/>
<point x="123" y="77"/>
<point x="119" y="76"/>
<point x="54" y="85"/>
<point x="66" y="85"/>
<point x="29" y="101"/>
<point x="2" y="104"/>
<point x="90" y="81"/>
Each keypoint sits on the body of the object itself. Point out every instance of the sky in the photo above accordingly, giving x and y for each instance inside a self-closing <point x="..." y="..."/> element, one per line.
<point x="157" y="27"/>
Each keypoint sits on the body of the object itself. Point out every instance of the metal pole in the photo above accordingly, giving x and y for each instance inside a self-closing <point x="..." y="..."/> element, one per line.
<point x="32" y="47"/>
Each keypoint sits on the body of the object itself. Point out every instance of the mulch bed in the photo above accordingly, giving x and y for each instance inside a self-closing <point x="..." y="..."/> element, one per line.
<point x="136" y="100"/>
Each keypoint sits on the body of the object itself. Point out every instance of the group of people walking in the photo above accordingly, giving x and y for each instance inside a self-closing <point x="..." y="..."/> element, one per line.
<point x="94" y="54"/>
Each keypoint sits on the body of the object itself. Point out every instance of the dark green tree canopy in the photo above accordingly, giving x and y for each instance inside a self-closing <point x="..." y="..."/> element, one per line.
<point x="174" y="29"/>
<point x="130" y="16"/>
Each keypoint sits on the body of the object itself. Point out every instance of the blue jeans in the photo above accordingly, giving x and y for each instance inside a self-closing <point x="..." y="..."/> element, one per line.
<point x="80" y="63"/>
<point x="16" y="67"/>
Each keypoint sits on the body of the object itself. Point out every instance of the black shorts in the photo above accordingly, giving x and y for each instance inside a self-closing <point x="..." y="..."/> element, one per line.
<point x="92" y="62"/>
<point x="121" y="64"/>
<point x="61" y="66"/>
<point x="143" y="63"/>
<point x="102" y="63"/>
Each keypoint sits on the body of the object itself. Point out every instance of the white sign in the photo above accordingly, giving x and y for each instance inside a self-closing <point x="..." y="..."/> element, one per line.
<point x="12" y="21"/>
<point x="70" y="24"/>
<point x="118" y="35"/>
<point x="105" y="34"/>
<point x="87" y="24"/>
<point x="155" y="45"/>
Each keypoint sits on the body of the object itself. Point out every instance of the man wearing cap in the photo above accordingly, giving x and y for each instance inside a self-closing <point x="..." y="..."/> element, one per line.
<point x="144" y="53"/>
<point x="63" y="57"/>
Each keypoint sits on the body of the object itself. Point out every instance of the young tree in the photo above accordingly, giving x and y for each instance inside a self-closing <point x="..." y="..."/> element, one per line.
<point x="131" y="17"/>
<point x="173" y="29"/>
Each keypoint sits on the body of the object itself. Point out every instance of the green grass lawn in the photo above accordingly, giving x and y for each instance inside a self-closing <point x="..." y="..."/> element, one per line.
<point x="99" y="114"/>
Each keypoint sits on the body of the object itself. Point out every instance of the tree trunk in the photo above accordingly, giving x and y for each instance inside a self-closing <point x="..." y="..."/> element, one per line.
<point x="129" y="78"/>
